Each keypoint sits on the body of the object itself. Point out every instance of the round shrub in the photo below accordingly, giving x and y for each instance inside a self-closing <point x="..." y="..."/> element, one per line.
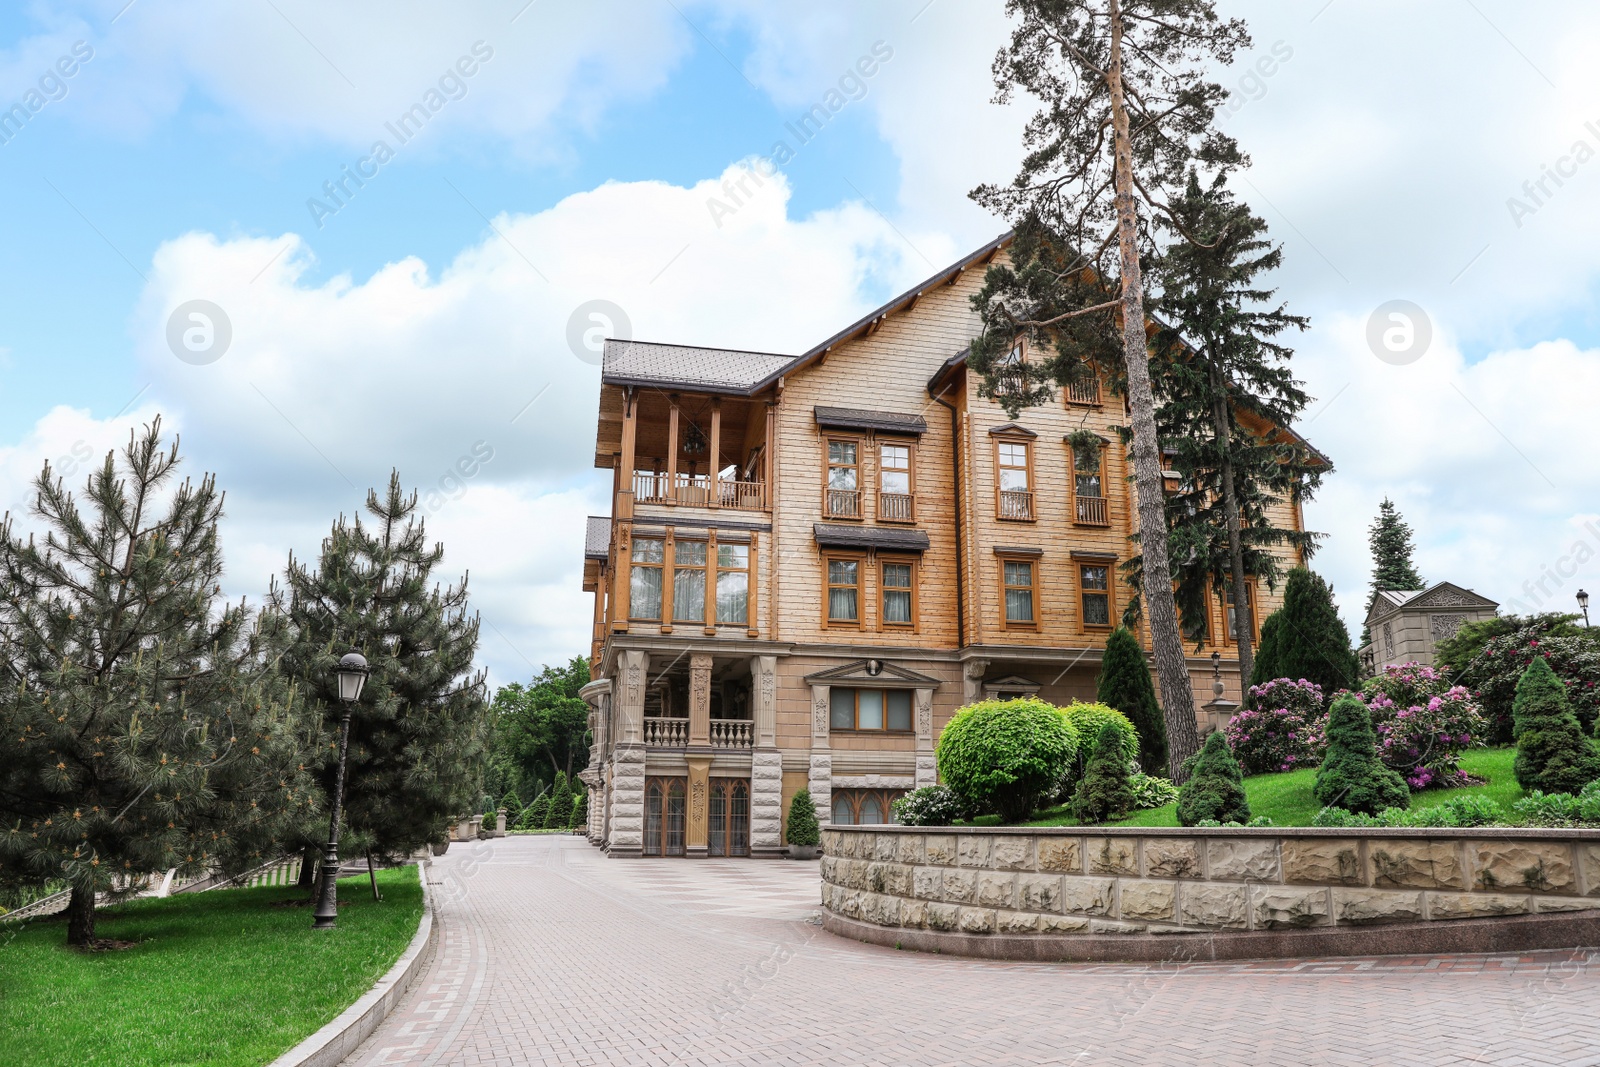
<point x="1271" y="739"/>
<point x="1214" y="792"/>
<point x="932" y="805"/>
<point x="1423" y="724"/>
<point x="1002" y="756"/>
<point x="1351" y="776"/>
<point x="802" y="829"/>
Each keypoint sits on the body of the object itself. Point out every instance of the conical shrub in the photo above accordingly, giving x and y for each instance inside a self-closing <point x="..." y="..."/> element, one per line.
<point x="1215" y="789"/>
<point x="1552" y="753"/>
<point x="1106" y="790"/>
<point x="802" y="828"/>
<point x="560" y="813"/>
<point x="1351" y="776"/>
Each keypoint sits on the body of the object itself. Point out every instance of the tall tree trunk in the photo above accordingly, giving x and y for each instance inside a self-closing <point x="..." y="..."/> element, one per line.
<point x="1177" y="696"/>
<point x="1230" y="511"/>
<point x="308" y="869"/>
<point x="80" y="917"/>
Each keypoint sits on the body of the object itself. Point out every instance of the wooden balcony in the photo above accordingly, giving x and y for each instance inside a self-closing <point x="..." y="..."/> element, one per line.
<point x="897" y="507"/>
<point x="1092" y="511"/>
<point x="694" y="490"/>
<point x="1016" y="505"/>
<point x="732" y="733"/>
<point x="1084" y="392"/>
<point x="842" y="503"/>
<point x="666" y="733"/>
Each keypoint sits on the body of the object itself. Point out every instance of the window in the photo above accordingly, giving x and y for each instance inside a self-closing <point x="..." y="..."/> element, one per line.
<point x="844" y="591"/>
<point x="729" y="831"/>
<point x="870" y="709"/>
<point x="1016" y="498"/>
<point x="664" y="811"/>
<point x="844" y="485"/>
<point x="1096" y="586"/>
<point x="1089" y="486"/>
<point x="689" y="581"/>
<point x="1249" y="611"/>
<point x="899" y="595"/>
<point x="644" y="582"/>
<point x="733" y="583"/>
<point x="895" y="499"/>
<point x="1017" y="576"/>
<point x="864" y="807"/>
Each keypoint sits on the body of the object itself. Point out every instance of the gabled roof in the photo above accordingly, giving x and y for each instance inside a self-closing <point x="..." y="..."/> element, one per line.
<point x="860" y="671"/>
<point x="688" y="366"/>
<point x="1437" y="595"/>
<point x="597" y="538"/>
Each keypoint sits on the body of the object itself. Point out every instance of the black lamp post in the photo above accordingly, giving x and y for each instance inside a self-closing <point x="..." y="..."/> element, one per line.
<point x="1583" y="604"/>
<point x="352" y="674"/>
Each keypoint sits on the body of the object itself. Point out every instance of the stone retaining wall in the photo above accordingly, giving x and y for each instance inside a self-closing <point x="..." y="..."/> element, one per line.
<point x="1125" y="893"/>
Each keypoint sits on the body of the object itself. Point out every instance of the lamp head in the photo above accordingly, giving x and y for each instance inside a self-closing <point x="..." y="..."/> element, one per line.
<point x="352" y="674"/>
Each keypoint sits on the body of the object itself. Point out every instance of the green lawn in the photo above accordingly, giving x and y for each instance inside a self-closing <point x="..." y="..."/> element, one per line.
<point x="1286" y="798"/>
<point x="218" y="978"/>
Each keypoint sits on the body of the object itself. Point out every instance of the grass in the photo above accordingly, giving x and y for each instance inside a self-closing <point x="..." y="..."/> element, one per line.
<point x="1286" y="798"/>
<point x="220" y="979"/>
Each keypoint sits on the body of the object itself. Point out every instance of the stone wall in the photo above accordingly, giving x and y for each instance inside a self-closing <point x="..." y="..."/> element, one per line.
<point x="1125" y="893"/>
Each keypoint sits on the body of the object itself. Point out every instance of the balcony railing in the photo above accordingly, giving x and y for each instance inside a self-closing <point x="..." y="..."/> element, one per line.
<point x="749" y="495"/>
<point x="843" y="503"/>
<point x="731" y="733"/>
<point x="1016" y="504"/>
<point x="1092" y="511"/>
<point x="1084" y="392"/>
<point x="694" y="490"/>
<point x="666" y="733"/>
<point x="897" y="507"/>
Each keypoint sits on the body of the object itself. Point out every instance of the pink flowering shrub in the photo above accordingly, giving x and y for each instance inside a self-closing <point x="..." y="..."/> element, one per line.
<point x="1423" y="724"/>
<point x="1302" y="697"/>
<point x="1265" y="740"/>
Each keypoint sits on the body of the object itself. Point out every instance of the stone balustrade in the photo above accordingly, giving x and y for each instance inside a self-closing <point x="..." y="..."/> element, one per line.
<point x="1217" y="893"/>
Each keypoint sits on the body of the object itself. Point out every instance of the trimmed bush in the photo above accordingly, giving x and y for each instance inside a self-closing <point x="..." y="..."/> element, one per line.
<point x="560" y="810"/>
<point x="1125" y="685"/>
<point x="534" y="815"/>
<point x="1002" y="756"/>
<point x="802" y="829"/>
<point x="513" y="805"/>
<point x="580" y="810"/>
<point x="1215" y="790"/>
<point x="1087" y="720"/>
<point x="1351" y="776"/>
<point x="932" y="805"/>
<point x="1105" y="791"/>
<point x="1310" y="641"/>
<point x="1552" y="753"/>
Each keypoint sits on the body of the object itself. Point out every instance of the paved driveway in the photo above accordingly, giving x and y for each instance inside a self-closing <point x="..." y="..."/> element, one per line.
<point x="552" y="954"/>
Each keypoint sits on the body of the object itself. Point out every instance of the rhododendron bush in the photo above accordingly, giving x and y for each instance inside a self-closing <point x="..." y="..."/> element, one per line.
<point x="1423" y="724"/>
<point x="1280" y="730"/>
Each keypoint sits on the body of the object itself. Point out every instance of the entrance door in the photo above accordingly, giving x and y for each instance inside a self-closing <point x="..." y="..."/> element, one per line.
<point x="729" y="817"/>
<point x="664" y="810"/>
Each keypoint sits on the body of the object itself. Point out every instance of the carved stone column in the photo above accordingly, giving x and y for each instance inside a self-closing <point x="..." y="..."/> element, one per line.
<point x="700" y="699"/>
<point x="820" y="775"/>
<point x="697" y="831"/>
<point x="634" y="668"/>
<point x="972" y="680"/>
<point x="625" y="828"/>
<point x="764" y="699"/>
<point x="927" y="765"/>
<point x="766" y="762"/>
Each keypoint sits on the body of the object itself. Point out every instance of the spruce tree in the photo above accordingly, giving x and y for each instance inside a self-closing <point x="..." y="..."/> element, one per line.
<point x="512" y="805"/>
<point x="1267" y="665"/>
<point x="802" y="828"/>
<point x="147" y="725"/>
<point x="580" y="810"/>
<point x="1125" y="684"/>
<point x="535" y="814"/>
<point x="1214" y="791"/>
<point x="560" y="805"/>
<point x="1106" y="789"/>
<point x="1552" y="753"/>
<point x="1310" y="640"/>
<point x="1351" y="775"/>
<point x="1127" y="109"/>
<point x="418" y="735"/>
<point x="1389" y="538"/>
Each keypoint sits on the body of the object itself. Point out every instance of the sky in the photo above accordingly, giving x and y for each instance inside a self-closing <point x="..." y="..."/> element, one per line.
<point x="324" y="242"/>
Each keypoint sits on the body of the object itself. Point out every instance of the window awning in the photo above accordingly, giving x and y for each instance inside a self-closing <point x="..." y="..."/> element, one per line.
<point x="880" y="421"/>
<point x="829" y="535"/>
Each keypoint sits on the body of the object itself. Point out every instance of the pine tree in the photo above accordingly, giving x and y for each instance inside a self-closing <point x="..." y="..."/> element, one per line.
<point x="1351" y="775"/>
<point x="1126" y="109"/>
<point x="1552" y="753"/>
<point x="148" y="727"/>
<point x="1125" y="684"/>
<point x="419" y="733"/>
<point x="1106" y="790"/>
<point x="1389" y="538"/>
<point x="1310" y="640"/>
<point x="802" y="829"/>
<point x="560" y="804"/>
<point x="1214" y="791"/>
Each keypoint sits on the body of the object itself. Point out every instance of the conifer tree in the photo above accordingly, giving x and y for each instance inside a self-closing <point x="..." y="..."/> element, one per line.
<point x="1127" y="109"/>
<point x="1309" y="639"/>
<point x="1106" y="789"/>
<point x="1389" y="538"/>
<point x="580" y="810"/>
<point x="1267" y="666"/>
<point x="1125" y="684"/>
<point x="802" y="828"/>
<point x="560" y="804"/>
<point x="1552" y="753"/>
<point x="147" y="725"/>
<point x="535" y="814"/>
<point x="1214" y="791"/>
<point x="1351" y="775"/>
<point x="419" y="733"/>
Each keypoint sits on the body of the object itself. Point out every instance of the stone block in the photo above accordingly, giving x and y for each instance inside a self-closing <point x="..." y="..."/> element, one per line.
<point x="1475" y="905"/>
<point x="1221" y="906"/>
<point x="850" y="903"/>
<point x="1062" y="924"/>
<point x="884" y="846"/>
<point x="1147" y="900"/>
<point x="1013" y="853"/>
<point x="909" y="848"/>
<point x="1060" y="854"/>
<point x="1281" y="907"/>
<point x="996" y="889"/>
<point x="1087" y="896"/>
<point x="976" y="921"/>
<point x="847" y="845"/>
<point x="1242" y="860"/>
<point x="1320" y="861"/>
<point x="972" y="850"/>
<point x="1543" y="904"/>
<point x="940" y="850"/>
<point x="914" y="913"/>
<point x="1039" y="892"/>
<point x="830" y="867"/>
<point x="1376" y="906"/>
<point x="1113" y="855"/>
<point x="1532" y="866"/>
<point x="1168" y="858"/>
<point x="830" y="842"/>
<point x="1589" y="865"/>
<point x="1416" y="864"/>
<point x="960" y="887"/>
<point x="943" y="916"/>
<point x="882" y="910"/>
<point x="1111" y="926"/>
<point x="925" y="882"/>
<point x="894" y="878"/>
<point x="1017" y="922"/>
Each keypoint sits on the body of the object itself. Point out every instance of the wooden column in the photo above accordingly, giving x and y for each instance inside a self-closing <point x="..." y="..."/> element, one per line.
<point x="668" y="553"/>
<point x="751" y="618"/>
<point x="623" y="575"/>
<point x="767" y="467"/>
<point x="711" y="583"/>
<point x="623" y="516"/>
<point x="716" y="448"/>
<point x="700" y="699"/>
<point x="671" y="494"/>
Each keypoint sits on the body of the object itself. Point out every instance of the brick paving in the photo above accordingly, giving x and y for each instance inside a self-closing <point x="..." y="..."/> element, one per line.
<point x="552" y="954"/>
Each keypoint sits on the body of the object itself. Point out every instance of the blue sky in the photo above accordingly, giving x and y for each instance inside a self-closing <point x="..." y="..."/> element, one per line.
<point x="427" y="314"/>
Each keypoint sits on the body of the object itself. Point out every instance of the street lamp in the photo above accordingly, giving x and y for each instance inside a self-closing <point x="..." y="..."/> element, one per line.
<point x="352" y="674"/>
<point x="1583" y="604"/>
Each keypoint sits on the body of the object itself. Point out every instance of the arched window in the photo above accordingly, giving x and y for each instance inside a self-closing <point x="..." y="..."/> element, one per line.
<point x="844" y="810"/>
<point x="871" y="813"/>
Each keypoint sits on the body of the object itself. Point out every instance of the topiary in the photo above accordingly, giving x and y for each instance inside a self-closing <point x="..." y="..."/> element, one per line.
<point x="1351" y="776"/>
<point x="1105" y="791"/>
<point x="1125" y="685"/>
<point x="533" y="816"/>
<point x="802" y="829"/>
<point x="580" y="809"/>
<point x="513" y="805"/>
<point x="1552" y="753"/>
<point x="560" y="804"/>
<point x="932" y="805"/>
<point x="1215" y="789"/>
<point x="1002" y="756"/>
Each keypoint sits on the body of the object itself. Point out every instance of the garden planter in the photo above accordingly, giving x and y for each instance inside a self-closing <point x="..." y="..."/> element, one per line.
<point x="803" y="852"/>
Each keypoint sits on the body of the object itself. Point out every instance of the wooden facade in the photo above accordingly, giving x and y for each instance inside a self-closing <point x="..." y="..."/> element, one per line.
<point x="849" y="535"/>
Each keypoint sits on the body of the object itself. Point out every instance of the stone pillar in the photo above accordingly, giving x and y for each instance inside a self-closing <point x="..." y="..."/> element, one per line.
<point x="700" y="699"/>
<point x="972" y="680"/>
<point x="697" y="830"/>
<point x="766" y="762"/>
<point x="927" y="772"/>
<point x="634" y="667"/>
<point x="820" y="775"/>
<point x="500" y="822"/>
<point x="764" y="699"/>
<point x="625" y="827"/>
